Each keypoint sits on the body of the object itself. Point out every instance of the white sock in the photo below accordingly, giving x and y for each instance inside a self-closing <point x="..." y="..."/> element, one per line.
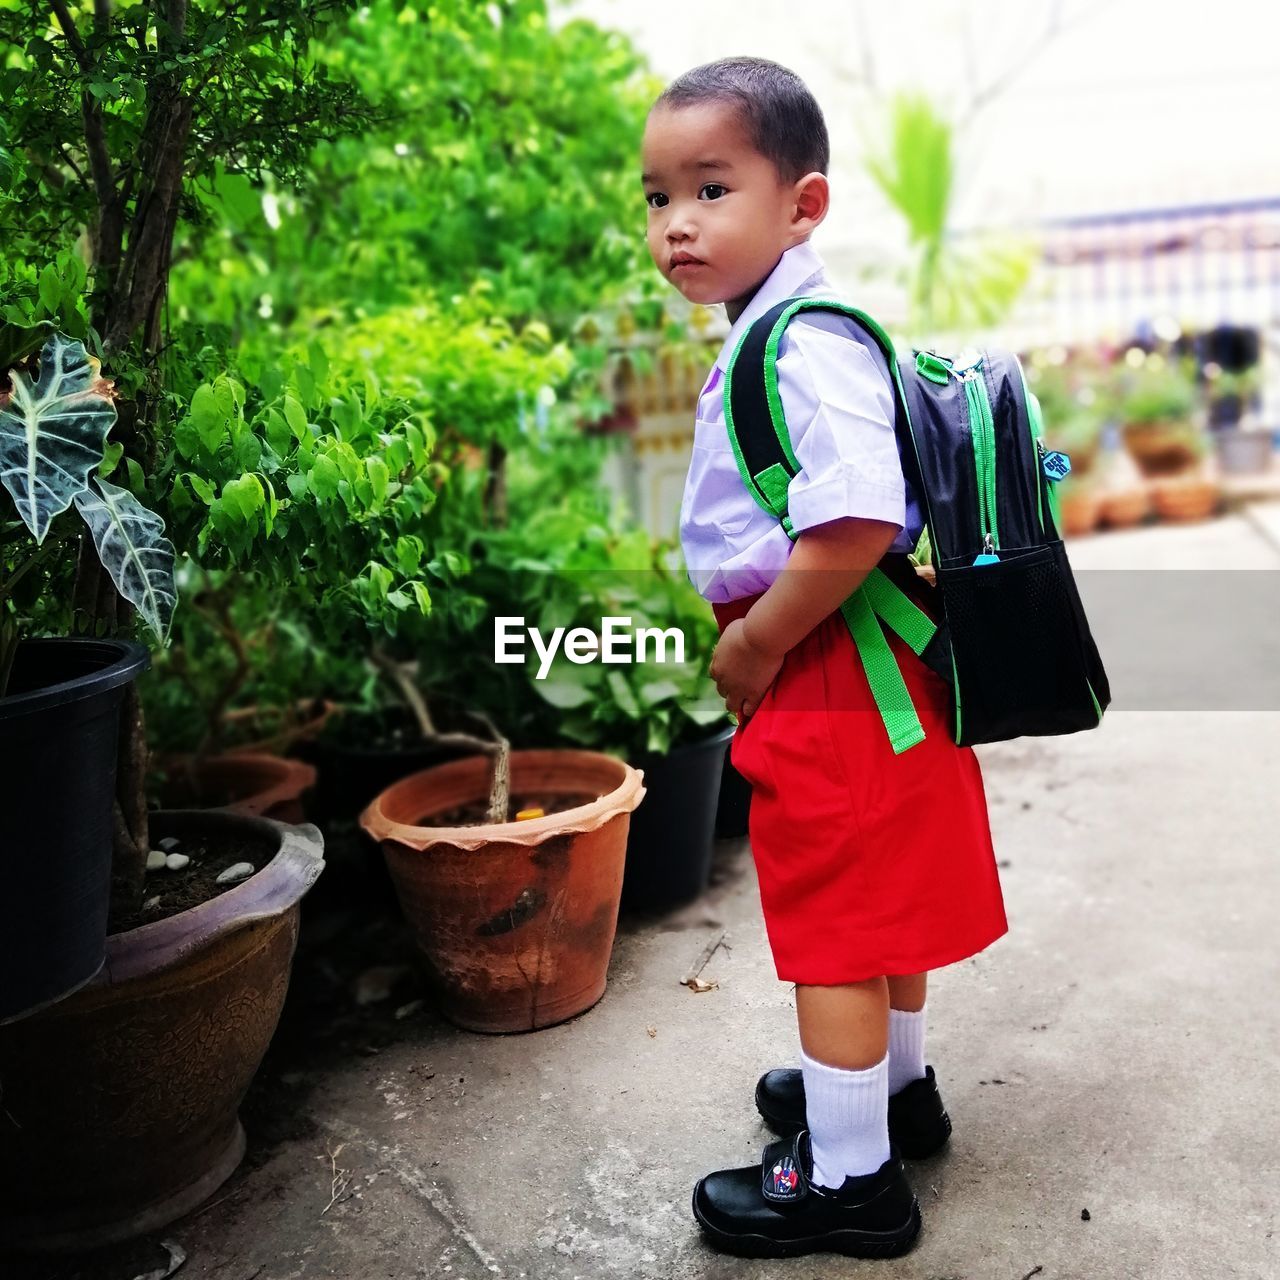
<point x="848" y="1115"/>
<point x="906" y="1048"/>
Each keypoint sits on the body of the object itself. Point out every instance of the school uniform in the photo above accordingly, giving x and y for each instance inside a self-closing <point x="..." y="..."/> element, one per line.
<point x="869" y="863"/>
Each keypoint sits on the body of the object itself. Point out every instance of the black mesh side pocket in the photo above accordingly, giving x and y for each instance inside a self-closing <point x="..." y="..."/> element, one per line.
<point x="1022" y="649"/>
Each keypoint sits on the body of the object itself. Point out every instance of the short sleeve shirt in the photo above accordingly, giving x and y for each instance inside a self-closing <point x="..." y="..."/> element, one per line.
<point x="837" y="394"/>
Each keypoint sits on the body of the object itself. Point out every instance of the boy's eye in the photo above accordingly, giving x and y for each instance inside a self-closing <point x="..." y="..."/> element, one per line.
<point x="651" y="197"/>
<point x="712" y="186"/>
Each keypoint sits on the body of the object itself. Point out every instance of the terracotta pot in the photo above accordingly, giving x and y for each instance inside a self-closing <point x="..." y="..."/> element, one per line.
<point x="1160" y="448"/>
<point x="120" y="1101"/>
<point x="1185" y="498"/>
<point x="515" y="920"/>
<point x="1124" y="508"/>
<point x="243" y="782"/>
<point x="1078" y="511"/>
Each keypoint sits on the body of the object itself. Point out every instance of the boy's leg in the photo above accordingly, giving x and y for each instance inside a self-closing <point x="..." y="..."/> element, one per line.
<point x="907" y="991"/>
<point x="844" y="1037"/>
<point x="906" y="1029"/>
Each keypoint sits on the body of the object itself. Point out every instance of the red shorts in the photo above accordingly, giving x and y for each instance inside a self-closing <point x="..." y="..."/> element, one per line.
<point x="870" y="864"/>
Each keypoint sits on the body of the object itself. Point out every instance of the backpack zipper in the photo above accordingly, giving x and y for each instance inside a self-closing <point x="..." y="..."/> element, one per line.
<point x="982" y="431"/>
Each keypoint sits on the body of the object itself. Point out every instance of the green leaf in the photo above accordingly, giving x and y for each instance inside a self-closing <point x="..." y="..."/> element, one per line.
<point x="279" y="436"/>
<point x="248" y="452"/>
<point x="659" y="691"/>
<point x="408" y="554"/>
<point x="295" y="416"/>
<point x="563" y="691"/>
<point x="133" y="551"/>
<point x="51" y="289"/>
<point x="379" y="477"/>
<point x="110" y="458"/>
<point x="53" y="432"/>
<point x="708" y="710"/>
<point x="622" y="694"/>
<point x="208" y="417"/>
<point x="244" y="497"/>
<point x="323" y="477"/>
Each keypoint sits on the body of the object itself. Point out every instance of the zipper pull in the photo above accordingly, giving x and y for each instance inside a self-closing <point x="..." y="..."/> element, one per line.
<point x="988" y="555"/>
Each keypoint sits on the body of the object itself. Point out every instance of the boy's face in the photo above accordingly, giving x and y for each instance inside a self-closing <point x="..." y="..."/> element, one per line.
<point x="713" y="198"/>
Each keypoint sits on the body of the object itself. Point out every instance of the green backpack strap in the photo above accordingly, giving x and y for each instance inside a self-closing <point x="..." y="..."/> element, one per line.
<point x="766" y="461"/>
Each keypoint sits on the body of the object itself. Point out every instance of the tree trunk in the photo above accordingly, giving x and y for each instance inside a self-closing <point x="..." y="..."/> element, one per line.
<point x="131" y="830"/>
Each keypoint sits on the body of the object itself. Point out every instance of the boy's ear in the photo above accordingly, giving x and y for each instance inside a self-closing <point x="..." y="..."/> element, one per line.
<point x="813" y="198"/>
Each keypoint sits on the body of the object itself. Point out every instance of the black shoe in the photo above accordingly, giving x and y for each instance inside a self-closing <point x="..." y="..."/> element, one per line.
<point x="918" y="1122"/>
<point x="772" y="1210"/>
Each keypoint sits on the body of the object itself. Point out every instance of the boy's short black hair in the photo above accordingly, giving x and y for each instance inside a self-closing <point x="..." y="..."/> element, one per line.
<point x="777" y="110"/>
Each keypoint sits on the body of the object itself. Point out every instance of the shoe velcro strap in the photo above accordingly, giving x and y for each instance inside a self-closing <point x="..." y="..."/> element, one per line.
<point x="784" y="1178"/>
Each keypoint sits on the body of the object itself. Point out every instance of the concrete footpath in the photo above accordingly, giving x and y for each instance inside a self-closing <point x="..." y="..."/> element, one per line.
<point x="1108" y="1064"/>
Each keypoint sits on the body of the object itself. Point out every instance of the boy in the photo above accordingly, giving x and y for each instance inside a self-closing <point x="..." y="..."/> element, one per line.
<point x="868" y="877"/>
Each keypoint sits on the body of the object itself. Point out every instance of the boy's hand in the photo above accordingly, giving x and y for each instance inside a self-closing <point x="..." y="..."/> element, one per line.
<point x="742" y="672"/>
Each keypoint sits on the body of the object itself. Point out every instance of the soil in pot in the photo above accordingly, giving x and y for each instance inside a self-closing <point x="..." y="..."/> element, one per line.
<point x="169" y="892"/>
<point x="476" y="813"/>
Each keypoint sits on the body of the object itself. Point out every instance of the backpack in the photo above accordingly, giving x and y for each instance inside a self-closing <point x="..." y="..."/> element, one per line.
<point x="1012" y="640"/>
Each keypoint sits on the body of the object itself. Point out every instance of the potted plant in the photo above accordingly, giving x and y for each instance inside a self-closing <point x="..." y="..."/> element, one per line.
<point x="90" y="1153"/>
<point x="232" y="642"/>
<point x="665" y="717"/>
<point x="1156" y="404"/>
<point x="513" y="905"/>
<point x="1243" y="447"/>
<point x="60" y="699"/>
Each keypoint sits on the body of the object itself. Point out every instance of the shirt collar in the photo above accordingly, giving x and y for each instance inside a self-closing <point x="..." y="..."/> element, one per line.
<point x="797" y="268"/>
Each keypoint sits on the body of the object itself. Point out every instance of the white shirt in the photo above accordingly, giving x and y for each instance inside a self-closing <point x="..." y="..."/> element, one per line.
<point x="838" y="398"/>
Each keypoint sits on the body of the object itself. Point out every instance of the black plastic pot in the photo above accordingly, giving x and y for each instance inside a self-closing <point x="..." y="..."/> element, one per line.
<point x="735" y="803"/>
<point x="59" y="725"/>
<point x="352" y="767"/>
<point x="672" y="833"/>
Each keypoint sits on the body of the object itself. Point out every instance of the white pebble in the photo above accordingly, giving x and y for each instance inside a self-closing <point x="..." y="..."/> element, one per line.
<point x="155" y="859"/>
<point x="169" y="843"/>
<point x="151" y="902"/>
<point x="176" y="861"/>
<point x="240" y="871"/>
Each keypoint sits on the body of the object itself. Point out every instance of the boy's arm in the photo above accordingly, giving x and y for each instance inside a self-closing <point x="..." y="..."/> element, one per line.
<point x="826" y="566"/>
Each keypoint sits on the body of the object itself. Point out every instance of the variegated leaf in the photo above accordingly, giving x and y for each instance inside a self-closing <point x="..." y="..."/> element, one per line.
<point x="131" y="548"/>
<point x="53" y="431"/>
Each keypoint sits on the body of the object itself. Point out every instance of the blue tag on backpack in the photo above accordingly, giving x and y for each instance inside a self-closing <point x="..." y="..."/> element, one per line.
<point x="1057" y="466"/>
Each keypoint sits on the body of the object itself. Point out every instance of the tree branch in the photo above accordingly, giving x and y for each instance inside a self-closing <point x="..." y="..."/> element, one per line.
<point x="68" y="25"/>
